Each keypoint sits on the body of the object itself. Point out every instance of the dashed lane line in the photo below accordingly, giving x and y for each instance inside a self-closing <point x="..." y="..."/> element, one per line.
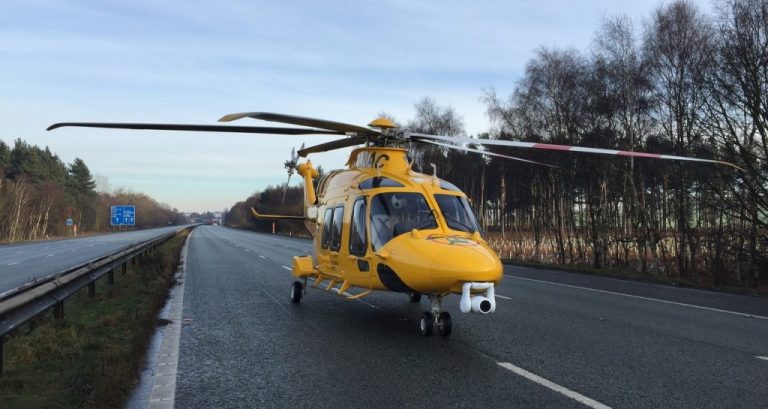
<point x="13" y="263"/>
<point x="503" y="297"/>
<point x="262" y="257"/>
<point x="287" y="268"/>
<point x="741" y="314"/>
<point x="764" y="358"/>
<point x="553" y="386"/>
<point x="50" y="255"/>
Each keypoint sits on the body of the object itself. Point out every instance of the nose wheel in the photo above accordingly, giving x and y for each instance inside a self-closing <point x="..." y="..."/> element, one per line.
<point x="297" y="290"/>
<point x="435" y="318"/>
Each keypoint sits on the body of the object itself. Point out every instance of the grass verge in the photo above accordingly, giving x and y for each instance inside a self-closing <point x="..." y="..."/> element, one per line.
<point x="91" y="358"/>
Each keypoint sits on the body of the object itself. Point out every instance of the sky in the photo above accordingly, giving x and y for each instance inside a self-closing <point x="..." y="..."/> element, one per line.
<point x="193" y="61"/>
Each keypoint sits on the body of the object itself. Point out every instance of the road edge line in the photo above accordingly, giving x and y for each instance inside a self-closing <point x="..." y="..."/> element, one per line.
<point x="640" y="297"/>
<point x="553" y="386"/>
<point x="163" y="394"/>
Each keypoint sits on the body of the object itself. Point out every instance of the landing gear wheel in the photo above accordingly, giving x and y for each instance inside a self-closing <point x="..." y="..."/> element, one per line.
<point x="414" y="297"/>
<point x="426" y="323"/>
<point x="444" y="324"/>
<point x="297" y="291"/>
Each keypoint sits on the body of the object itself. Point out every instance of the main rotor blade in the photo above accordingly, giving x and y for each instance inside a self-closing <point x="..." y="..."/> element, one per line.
<point x="300" y="120"/>
<point x="200" y="128"/>
<point x="569" y="148"/>
<point x="461" y="148"/>
<point x="329" y="146"/>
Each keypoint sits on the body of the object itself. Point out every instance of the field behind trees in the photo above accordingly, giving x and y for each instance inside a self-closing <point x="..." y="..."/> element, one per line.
<point x="681" y="82"/>
<point x="38" y="192"/>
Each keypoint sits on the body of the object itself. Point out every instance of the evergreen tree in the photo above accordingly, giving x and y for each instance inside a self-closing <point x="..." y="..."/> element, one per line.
<point x="82" y="189"/>
<point x="5" y="158"/>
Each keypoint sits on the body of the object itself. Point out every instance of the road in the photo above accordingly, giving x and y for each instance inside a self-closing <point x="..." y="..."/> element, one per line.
<point x="22" y="263"/>
<point x="556" y="340"/>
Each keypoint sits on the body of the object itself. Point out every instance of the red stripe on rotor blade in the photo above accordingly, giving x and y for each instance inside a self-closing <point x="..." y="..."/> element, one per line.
<point x="551" y="147"/>
<point x="639" y="154"/>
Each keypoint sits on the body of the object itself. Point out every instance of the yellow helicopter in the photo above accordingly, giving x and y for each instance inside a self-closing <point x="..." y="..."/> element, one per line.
<point x="379" y="225"/>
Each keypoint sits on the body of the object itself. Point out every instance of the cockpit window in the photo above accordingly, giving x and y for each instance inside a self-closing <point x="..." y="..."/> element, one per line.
<point x="377" y="182"/>
<point x="338" y="217"/>
<point x="393" y="214"/>
<point x="449" y="186"/>
<point x="457" y="213"/>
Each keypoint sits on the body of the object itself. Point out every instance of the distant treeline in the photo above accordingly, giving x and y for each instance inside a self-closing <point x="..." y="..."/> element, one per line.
<point x="38" y="192"/>
<point x="270" y="201"/>
<point x="683" y="83"/>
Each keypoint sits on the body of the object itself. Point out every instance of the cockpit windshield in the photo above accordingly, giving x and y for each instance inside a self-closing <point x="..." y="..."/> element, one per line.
<point x="393" y="214"/>
<point x="457" y="213"/>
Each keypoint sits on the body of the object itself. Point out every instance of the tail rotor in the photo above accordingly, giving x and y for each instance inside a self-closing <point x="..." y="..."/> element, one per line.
<point x="291" y="166"/>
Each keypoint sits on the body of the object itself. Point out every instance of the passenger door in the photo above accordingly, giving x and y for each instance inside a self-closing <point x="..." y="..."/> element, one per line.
<point x="358" y="239"/>
<point x="334" y="242"/>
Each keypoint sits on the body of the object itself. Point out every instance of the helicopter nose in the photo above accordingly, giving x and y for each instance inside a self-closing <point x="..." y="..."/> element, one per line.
<point x="472" y="263"/>
<point x="442" y="263"/>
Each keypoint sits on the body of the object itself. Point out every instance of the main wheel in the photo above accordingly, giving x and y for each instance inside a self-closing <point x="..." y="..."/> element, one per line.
<point x="426" y="323"/>
<point x="414" y="297"/>
<point x="444" y="324"/>
<point x="296" y="292"/>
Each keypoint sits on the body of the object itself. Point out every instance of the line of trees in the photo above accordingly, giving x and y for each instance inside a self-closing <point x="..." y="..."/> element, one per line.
<point x="683" y="83"/>
<point x="691" y="85"/>
<point x="38" y="192"/>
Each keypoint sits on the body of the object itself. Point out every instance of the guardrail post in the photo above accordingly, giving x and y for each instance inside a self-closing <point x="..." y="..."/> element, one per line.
<point x="92" y="289"/>
<point x="125" y="267"/>
<point x="58" y="310"/>
<point x="111" y="276"/>
<point x="2" y="353"/>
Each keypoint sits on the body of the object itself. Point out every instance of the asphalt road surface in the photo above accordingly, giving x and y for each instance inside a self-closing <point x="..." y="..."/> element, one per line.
<point x="556" y="340"/>
<point x="22" y="263"/>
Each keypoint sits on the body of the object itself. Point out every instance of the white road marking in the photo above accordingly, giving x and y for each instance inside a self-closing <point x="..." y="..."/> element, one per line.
<point x="287" y="268"/>
<point x="764" y="358"/>
<point x="50" y="255"/>
<point x="262" y="257"/>
<point x="503" y="297"/>
<point x="163" y="393"/>
<point x="13" y="264"/>
<point x="19" y="252"/>
<point x="553" y="386"/>
<point x="741" y="314"/>
<point x="247" y="250"/>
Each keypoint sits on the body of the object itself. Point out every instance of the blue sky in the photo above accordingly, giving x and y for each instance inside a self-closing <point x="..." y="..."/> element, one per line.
<point x="193" y="61"/>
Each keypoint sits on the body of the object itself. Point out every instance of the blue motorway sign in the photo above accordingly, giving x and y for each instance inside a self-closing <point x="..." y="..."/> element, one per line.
<point x="123" y="215"/>
<point x="70" y="222"/>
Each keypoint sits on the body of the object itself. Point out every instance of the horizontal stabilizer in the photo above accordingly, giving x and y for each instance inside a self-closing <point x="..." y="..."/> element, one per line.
<point x="275" y="217"/>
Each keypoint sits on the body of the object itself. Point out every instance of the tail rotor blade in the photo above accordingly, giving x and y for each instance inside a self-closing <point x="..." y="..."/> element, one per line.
<point x="287" y="184"/>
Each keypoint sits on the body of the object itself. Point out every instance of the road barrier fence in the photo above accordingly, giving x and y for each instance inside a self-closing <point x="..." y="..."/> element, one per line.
<point x="21" y="304"/>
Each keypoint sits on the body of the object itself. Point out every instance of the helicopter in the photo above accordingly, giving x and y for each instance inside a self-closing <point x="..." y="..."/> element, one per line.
<point x="378" y="225"/>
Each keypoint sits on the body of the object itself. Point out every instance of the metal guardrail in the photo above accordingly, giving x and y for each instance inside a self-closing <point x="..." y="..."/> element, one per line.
<point x="20" y="305"/>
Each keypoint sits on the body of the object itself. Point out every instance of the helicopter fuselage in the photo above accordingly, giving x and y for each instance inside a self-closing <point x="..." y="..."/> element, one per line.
<point x="379" y="225"/>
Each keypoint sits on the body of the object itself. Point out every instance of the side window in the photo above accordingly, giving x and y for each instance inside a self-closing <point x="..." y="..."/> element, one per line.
<point x="326" y="238"/>
<point x="358" y="240"/>
<point x="338" y="218"/>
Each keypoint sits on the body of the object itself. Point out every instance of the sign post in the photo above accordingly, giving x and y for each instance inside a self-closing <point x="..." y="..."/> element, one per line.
<point x="123" y="215"/>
